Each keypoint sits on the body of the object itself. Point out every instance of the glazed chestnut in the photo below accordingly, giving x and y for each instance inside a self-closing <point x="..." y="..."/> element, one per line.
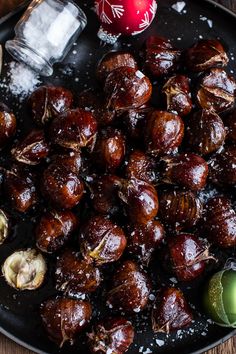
<point x="75" y="275"/>
<point x="112" y="335"/>
<point x="217" y="91"/>
<point x="95" y="103"/>
<point x="188" y="256"/>
<point x="48" y="101"/>
<point x="7" y="125"/>
<point x="64" y="318"/>
<point x="179" y="210"/>
<point x="161" y="58"/>
<point x="130" y="289"/>
<point x="205" y="132"/>
<point x="74" y="129"/>
<point x="71" y="161"/>
<point x="140" y="166"/>
<point x="109" y="150"/>
<point x="206" y="54"/>
<point x="140" y="199"/>
<point x="177" y="95"/>
<point x="20" y="189"/>
<point x="127" y="88"/>
<point x="102" y="241"/>
<point x="164" y="133"/>
<point x="104" y="194"/>
<point x="32" y="149"/>
<point x="64" y="189"/>
<point x="54" y="230"/>
<point x="186" y="170"/>
<point x="171" y="312"/>
<point x="230" y="123"/>
<point x="219" y="222"/>
<point x="112" y="61"/>
<point x="4" y="226"/>
<point x="24" y="269"/>
<point x="143" y="240"/>
<point x="223" y="167"/>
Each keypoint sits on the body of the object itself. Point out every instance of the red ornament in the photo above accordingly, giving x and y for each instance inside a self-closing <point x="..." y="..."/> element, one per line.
<point x="124" y="17"/>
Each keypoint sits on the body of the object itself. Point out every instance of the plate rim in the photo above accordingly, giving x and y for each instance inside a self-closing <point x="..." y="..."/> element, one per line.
<point x="231" y="334"/>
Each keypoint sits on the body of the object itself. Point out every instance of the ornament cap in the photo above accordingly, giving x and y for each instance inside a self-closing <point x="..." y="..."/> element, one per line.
<point x="107" y="37"/>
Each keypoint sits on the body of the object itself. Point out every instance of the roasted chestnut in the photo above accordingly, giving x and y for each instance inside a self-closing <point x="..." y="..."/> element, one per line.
<point x="130" y="288"/>
<point x="223" y="167"/>
<point x="140" y="199"/>
<point x="187" y="255"/>
<point x="161" y="58"/>
<point x="140" y="166"/>
<point x="64" y="189"/>
<point x="164" y="133"/>
<point x="4" y="226"/>
<point x="74" y="129"/>
<point x="205" y="132"/>
<point x="7" y="125"/>
<point x="112" y="335"/>
<point x="186" y="170"/>
<point x="230" y="123"/>
<point x="102" y="241"/>
<point x="206" y="54"/>
<point x="32" y="149"/>
<point x="109" y="150"/>
<point x="25" y="269"/>
<point x="104" y="194"/>
<point x="95" y="103"/>
<point x="20" y="189"/>
<point x="71" y="161"/>
<point x="171" y="312"/>
<point x="64" y="318"/>
<point x="54" y="229"/>
<point x="127" y="88"/>
<point x="219" y="222"/>
<point x="217" y="91"/>
<point x="112" y="61"/>
<point x="47" y="102"/>
<point x="179" y="210"/>
<point x="75" y="275"/>
<point x="177" y="95"/>
<point x="143" y="240"/>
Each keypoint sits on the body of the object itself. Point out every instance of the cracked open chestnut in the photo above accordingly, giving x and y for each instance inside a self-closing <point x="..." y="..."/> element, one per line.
<point x="222" y="167"/>
<point x="74" y="129"/>
<point x="130" y="288"/>
<point x="113" y="335"/>
<point x="7" y="125"/>
<point x="205" y="132"/>
<point x="127" y="88"/>
<point x="217" y="91"/>
<point x="64" y="318"/>
<point x="46" y="102"/>
<point x="113" y="60"/>
<point x="54" y="230"/>
<point x="140" y="166"/>
<point x="171" y="312"/>
<point x="186" y="170"/>
<point x="177" y="95"/>
<point x="206" y="54"/>
<point x="161" y="58"/>
<point x="75" y="275"/>
<point x="4" y="226"/>
<point x="179" y="210"/>
<point x="102" y="241"/>
<point x="164" y="133"/>
<point x="32" y="149"/>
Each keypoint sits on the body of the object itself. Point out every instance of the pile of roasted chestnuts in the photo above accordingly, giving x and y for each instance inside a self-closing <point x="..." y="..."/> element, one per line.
<point x="122" y="179"/>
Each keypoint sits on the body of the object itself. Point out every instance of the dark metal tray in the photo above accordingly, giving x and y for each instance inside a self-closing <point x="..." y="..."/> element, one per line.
<point x="19" y="317"/>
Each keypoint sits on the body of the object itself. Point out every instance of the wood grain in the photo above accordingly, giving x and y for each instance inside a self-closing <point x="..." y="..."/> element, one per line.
<point x="229" y="347"/>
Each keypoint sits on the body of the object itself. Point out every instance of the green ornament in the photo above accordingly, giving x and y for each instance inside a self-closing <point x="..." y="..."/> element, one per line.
<point x="220" y="297"/>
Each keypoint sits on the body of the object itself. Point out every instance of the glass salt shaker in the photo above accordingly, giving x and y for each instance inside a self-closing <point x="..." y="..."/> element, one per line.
<point x="45" y="33"/>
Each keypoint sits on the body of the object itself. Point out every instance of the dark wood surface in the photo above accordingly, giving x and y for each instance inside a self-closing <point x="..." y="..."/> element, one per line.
<point x="9" y="347"/>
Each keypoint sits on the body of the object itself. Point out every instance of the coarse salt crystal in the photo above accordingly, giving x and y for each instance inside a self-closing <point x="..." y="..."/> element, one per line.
<point x="160" y="342"/>
<point x="179" y="6"/>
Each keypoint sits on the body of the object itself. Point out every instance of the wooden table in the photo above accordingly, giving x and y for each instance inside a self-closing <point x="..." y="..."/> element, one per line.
<point x="9" y="347"/>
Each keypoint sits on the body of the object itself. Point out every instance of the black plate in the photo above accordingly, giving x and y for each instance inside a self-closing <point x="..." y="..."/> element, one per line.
<point x="19" y="318"/>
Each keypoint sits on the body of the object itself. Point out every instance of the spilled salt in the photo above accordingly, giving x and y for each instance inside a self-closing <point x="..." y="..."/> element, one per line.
<point x="179" y="6"/>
